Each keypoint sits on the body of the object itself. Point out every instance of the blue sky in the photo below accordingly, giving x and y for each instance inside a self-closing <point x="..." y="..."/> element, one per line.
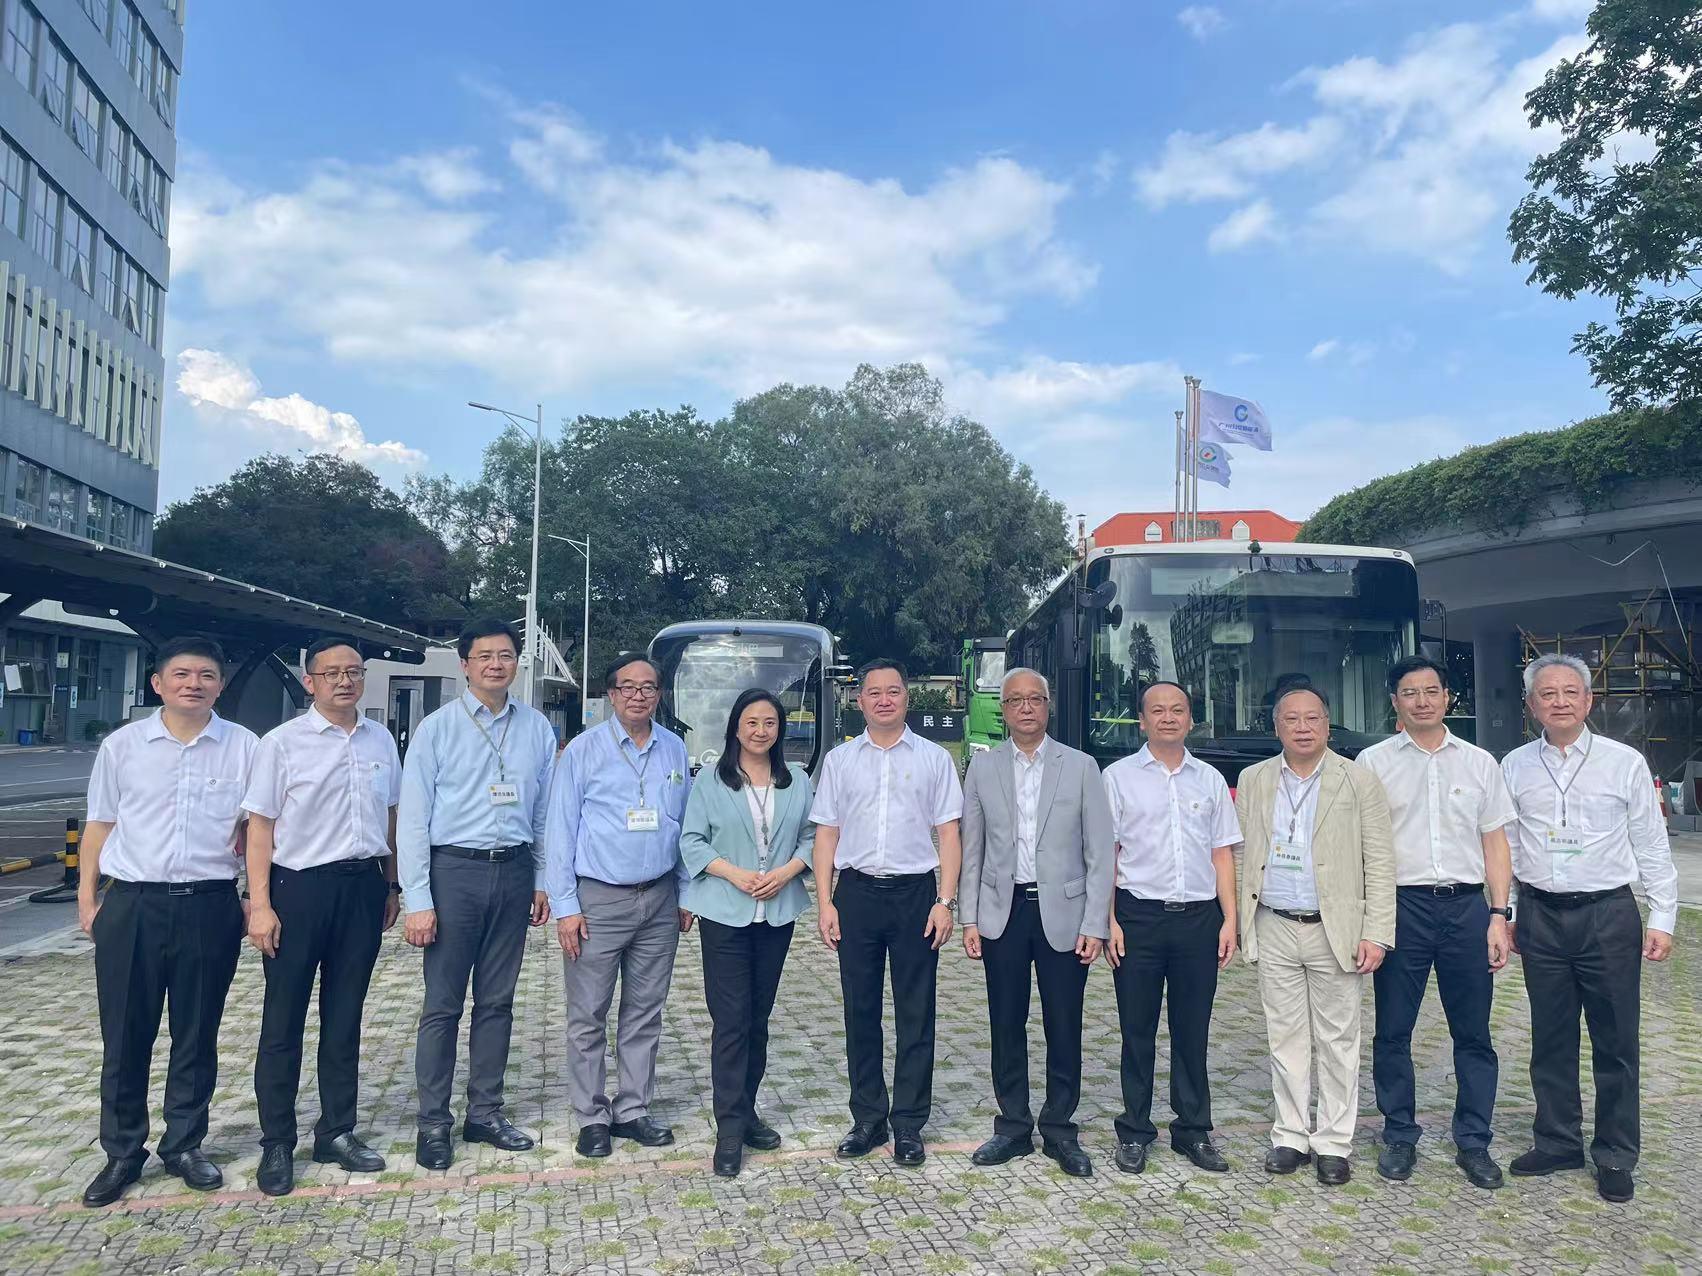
<point x="386" y="210"/>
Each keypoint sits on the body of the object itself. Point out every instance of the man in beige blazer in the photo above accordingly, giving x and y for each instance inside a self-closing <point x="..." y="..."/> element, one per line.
<point x="1316" y="881"/>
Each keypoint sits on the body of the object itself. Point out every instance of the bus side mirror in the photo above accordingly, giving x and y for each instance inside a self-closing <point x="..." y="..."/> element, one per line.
<point x="840" y="671"/>
<point x="1431" y="650"/>
<point x="1098" y="598"/>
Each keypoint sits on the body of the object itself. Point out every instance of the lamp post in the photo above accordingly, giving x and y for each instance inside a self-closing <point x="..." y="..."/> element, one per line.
<point x="515" y="419"/>
<point x="584" y="548"/>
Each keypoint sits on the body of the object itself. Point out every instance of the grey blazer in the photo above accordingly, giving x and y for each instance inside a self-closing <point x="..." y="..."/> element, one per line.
<point x="718" y="826"/>
<point x="1075" y="843"/>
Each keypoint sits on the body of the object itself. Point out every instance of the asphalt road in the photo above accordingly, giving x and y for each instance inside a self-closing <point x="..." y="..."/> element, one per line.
<point x="27" y="775"/>
<point x="39" y="789"/>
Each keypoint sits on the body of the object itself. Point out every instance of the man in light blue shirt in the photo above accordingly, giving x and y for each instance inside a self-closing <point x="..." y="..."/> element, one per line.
<point x="469" y="843"/>
<point x="615" y="879"/>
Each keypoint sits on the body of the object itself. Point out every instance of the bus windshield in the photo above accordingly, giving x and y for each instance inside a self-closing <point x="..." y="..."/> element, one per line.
<point x="703" y="674"/>
<point x="989" y="670"/>
<point x="1230" y="627"/>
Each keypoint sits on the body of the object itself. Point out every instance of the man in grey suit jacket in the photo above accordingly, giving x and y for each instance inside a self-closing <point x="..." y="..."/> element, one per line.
<point x="1036" y="893"/>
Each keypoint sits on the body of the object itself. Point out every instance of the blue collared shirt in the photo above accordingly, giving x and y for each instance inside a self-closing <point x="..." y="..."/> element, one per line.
<point x="446" y="779"/>
<point x="596" y="784"/>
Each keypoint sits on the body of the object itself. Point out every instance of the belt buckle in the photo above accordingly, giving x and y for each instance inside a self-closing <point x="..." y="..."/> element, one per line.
<point x="1175" y="905"/>
<point x="1442" y="890"/>
<point x="1032" y="890"/>
<point x="179" y="888"/>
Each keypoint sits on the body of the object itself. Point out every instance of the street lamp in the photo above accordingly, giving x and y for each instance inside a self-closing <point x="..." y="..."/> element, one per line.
<point x="584" y="548"/>
<point x="515" y="419"/>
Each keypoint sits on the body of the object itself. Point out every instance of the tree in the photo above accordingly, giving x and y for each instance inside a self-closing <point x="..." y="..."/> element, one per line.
<point x="1629" y="230"/>
<point x="321" y="528"/>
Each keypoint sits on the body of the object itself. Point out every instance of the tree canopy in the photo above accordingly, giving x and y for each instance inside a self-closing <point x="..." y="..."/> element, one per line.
<point x="1616" y="208"/>
<point x="872" y="510"/>
<point x="321" y="528"/>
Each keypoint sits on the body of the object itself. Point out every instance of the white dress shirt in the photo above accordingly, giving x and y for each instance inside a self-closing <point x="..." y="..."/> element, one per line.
<point x="1294" y="811"/>
<point x="174" y="807"/>
<point x="1441" y="804"/>
<point x="329" y="791"/>
<point x="1027" y="772"/>
<point x="1601" y="791"/>
<point x="1167" y="825"/>
<point x="886" y="803"/>
<point x="761" y="803"/>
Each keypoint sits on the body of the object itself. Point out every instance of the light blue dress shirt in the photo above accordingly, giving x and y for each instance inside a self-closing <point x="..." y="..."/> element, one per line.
<point x="596" y="783"/>
<point x="446" y="779"/>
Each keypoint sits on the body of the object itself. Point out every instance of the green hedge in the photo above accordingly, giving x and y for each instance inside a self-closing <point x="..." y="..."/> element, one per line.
<point x="1502" y="486"/>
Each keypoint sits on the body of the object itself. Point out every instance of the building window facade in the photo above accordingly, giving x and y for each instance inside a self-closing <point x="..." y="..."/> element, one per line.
<point x="94" y="522"/>
<point x="17" y="45"/>
<point x="125" y="26"/>
<point x="1240" y="531"/>
<point x="55" y="90"/>
<point x="86" y="111"/>
<point x="117" y="150"/>
<point x="14" y="175"/>
<point x="78" y="240"/>
<point x="42" y="233"/>
<point x="27" y="491"/>
<point x="1154" y="532"/>
<point x="60" y="511"/>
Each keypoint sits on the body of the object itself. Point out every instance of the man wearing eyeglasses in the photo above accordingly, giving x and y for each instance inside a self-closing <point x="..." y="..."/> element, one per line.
<point x="1037" y="845"/>
<point x="615" y="879"/>
<point x="470" y="845"/>
<point x="321" y="805"/>
<point x="1317" y="914"/>
<point x="1450" y="809"/>
<point x="1588" y="826"/>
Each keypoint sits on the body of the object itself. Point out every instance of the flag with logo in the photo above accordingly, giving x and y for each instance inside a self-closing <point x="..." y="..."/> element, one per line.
<point x="1212" y="462"/>
<point x="1227" y="419"/>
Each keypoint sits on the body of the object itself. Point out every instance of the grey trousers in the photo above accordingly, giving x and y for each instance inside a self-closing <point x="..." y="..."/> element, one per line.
<point x="633" y="933"/>
<point x="483" y="911"/>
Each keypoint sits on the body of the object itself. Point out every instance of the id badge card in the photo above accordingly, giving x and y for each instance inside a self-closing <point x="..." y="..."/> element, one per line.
<point x="1287" y="855"/>
<point x="1565" y="841"/>
<point x="643" y="819"/>
<point x="504" y="794"/>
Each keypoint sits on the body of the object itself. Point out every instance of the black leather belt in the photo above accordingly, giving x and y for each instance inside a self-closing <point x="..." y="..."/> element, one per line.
<point x="889" y="881"/>
<point x="1311" y="919"/>
<point x="1571" y="899"/>
<point x="1170" y="905"/>
<point x="357" y="864"/>
<point x="629" y="886"/>
<point x="204" y="887"/>
<point x="1447" y="890"/>
<point x="494" y="855"/>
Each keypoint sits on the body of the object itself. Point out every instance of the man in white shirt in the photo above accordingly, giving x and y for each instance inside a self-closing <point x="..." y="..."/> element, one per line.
<point x="1172" y="923"/>
<point x="1450" y="808"/>
<point x="164" y="814"/>
<point x="1588" y="826"/>
<point x="880" y="802"/>
<point x="321" y="806"/>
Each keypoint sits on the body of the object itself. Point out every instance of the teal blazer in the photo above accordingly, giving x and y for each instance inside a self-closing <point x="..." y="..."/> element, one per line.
<point x="718" y="826"/>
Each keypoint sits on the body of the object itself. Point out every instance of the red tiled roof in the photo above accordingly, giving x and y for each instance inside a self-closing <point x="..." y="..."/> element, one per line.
<point x="1131" y="528"/>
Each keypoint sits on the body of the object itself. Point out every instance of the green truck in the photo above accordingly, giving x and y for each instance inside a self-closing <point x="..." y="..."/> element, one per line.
<point x="983" y="670"/>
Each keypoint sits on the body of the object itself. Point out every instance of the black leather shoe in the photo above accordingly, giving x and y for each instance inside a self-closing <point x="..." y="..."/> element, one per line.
<point x="1614" y="1185"/>
<point x="1480" y="1168"/>
<point x="195" y="1170"/>
<point x="1285" y="1160"/>
<point x="1535" y="1162"/>
<point x="1395" y="1161"/>
<point x="347" y="1151"/>
<point x="864" y="1138"/>
<point x="907" y="1149"/>
<point x="500" y="1133"/>
<point x="107" y="1186"/>
<point x="1203" y="1153"/>
<point x="729" y="1157"/>
<point x="593" y="1141"/>
<point x="1070" y="1158"/>
<point x="432" y="1150"/>
<point x="762" y="1136"/>
<point x="1001" y="1148"/>
<point x="276" y="1175"/>
<point x="643" y="1131"/>
<point x="1130" y="1157"/>
<point x="1333" y="1170"/>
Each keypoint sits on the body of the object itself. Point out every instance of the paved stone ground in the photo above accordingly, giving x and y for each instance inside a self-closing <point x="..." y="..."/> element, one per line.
<point x="798" y="1210"/>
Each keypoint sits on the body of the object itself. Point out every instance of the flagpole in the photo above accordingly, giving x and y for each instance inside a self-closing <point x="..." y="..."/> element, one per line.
<point x="1176" y="484"/>
<point x="1193" y="407"/>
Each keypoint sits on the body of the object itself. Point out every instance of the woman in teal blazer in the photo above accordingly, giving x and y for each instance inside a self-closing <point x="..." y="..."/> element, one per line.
<point x="747" y="841"/>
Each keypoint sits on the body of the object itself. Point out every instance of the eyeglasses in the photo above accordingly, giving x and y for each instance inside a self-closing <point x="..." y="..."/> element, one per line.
<point x="334" y="676"/>
<point x="1410" y="694"/>
<point x="492" y="658"/>
<point x="1309" y="720"/>
<point x="631" y="689"/>
<point x="1024" y="702"/>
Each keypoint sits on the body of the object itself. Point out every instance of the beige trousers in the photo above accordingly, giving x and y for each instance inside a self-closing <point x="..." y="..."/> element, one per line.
<point x="1311" y="1009"/>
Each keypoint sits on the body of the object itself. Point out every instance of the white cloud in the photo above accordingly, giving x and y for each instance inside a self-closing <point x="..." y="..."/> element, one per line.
<point x="1561" y="10"/>
<point x="1242" y="357"/>
<point x="1202" y="20"/>
<point x="1196" y="167"/>
<point x="1045" y="389"/>
<point x="1323" y="350"/>
<point x="449" y="176"/>
<point x="1246" y="225"/>
<point x="220" y="387"/>
<point x="1355" y="353"/>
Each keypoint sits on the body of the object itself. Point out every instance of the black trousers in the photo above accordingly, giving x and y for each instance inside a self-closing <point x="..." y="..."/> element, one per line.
<point x="741" y="976"/>
<point x="881" y="922"/>
<point x="1019" y="958"/>
<point x="154" y="949"/>
<point x="483" y="912"/>
<point x="1178" y="949"/>
<point x="1450" y="934"/>
<point x="332" y="920"/>
<point x="1588" y="957"/>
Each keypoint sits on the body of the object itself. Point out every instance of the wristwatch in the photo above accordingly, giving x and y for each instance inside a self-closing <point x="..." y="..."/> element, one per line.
<point x="395" y="888"/>
<point x="950" y="904"/>
<point x="1502" y="912"/>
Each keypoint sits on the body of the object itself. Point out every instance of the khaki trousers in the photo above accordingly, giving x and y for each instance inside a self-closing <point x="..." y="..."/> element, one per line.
<point x="1311" y="1008"/>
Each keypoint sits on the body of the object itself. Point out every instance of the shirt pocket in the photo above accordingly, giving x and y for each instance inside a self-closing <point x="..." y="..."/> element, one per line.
<point x="380" y="779"/>
<point x="221" y="797"/>
<point x="1465" y="801"/>
<point x="1603" y="814"/>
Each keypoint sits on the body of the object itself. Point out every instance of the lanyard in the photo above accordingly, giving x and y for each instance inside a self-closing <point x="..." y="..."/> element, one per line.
<point x="637" y="770"/>
<point x="1306" y="786"/>
<point x="1563" y="790"/>
<point x="761" y="795"/>
<point x="496" y="744"/>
